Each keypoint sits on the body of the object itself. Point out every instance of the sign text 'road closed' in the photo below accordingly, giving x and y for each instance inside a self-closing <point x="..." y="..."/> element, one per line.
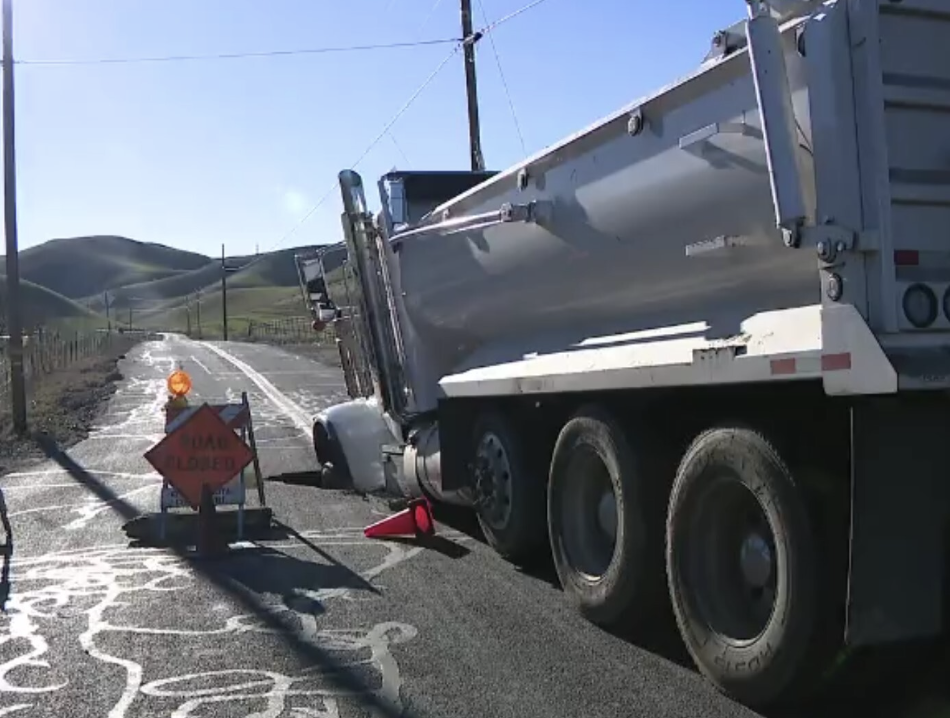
<point x="202" y="451"/>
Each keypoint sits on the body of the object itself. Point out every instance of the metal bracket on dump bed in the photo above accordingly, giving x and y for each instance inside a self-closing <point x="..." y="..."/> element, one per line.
<point x="779" y="126"/>
<point x="534" y="211"/>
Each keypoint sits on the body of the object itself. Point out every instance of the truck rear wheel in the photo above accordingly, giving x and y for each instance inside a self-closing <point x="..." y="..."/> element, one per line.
<point x="742" y="569"/>
<point x="510" y="496"/>
<point x="607" y="555"/>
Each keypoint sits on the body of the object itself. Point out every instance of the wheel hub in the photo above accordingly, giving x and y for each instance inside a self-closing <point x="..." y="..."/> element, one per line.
<point x="755" y="559"/>
<point x="493" y="480"/>
<point x="607" y="514"/>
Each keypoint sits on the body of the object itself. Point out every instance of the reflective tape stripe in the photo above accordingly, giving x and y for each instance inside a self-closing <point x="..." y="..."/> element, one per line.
<point x="809" y="364"/>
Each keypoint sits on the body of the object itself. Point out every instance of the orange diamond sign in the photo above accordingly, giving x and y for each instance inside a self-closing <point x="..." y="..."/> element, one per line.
<point x="203" y="450"/>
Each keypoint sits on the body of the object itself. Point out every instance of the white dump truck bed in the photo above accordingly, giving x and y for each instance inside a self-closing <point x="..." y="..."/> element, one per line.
<point x="579" y="266"/>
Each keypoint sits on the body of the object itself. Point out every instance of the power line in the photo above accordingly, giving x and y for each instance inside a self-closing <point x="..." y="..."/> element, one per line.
<point x="504" y="82"/>
<point x="399" y="149"/>
<point x="385" y="131"/>
<point x="510" y="16"/>
<point x="435" y="6"/>
<point x="488" y="29"/>
<point x="240" y="55"/>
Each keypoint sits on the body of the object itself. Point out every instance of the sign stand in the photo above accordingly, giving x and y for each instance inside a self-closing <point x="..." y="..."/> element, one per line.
<point x="237" y="418"/>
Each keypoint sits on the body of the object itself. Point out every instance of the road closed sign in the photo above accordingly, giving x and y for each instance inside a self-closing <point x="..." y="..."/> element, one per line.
<point x="203" y="450"/>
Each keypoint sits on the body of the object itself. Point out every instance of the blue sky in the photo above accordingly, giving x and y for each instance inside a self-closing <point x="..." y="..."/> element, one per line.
<point x="193" y="154"/>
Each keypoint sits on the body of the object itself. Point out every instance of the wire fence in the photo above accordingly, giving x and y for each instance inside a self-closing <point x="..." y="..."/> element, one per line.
<point x="288" y="330"/>
<point x="47" y="352"/>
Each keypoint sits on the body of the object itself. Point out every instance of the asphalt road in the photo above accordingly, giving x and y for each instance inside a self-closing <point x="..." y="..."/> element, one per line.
<point x="316" y="621"/>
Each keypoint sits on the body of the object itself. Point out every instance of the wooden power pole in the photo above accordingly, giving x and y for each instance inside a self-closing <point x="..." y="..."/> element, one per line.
<point x="469" y="38"/>
<point x="198" y="311"/>
<point x="107" y="300"/>
<point x="224" y="294"/>
<point x="14" y="319"/>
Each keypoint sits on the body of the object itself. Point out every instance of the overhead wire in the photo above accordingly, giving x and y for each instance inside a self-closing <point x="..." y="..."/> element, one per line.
<point x="240" y="55"/>
<point x="383" y="133"/>
<point x="487" y="30"/>
<point x="435" y="6"/>
<point x="504" y="82"/>
<point x="399" y="149"/>
<point x="510" y="16"/>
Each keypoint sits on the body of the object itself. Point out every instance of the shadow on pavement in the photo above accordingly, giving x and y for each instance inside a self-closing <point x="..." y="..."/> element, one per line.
<point x="881" y="684"/>
<point x="297" y="478"/>
<point x="6" y="552"/>
<point x="438" y="544"/>
<point x="221" y="574"/>
<point x="264" y="570"/>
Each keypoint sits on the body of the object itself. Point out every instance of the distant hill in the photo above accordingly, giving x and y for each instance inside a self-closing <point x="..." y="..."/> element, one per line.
<point x="245" y="304"/>
<point x="275" y="269"/>
<point x="155" y="284"/>
<point x="83" y="266"/>
<point x="41" y="306"/>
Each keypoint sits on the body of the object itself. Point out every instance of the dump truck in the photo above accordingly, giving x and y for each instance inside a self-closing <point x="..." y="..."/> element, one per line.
<point x="699" y="351"/>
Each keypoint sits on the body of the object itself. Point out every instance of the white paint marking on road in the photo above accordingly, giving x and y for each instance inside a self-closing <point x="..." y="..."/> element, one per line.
<point x="111" y="575"/>
<point x="293" y="412"/>
<point x="197" y="361"/>
<point x="10" y="710"/>
<point x="100" y="472"/>
<point x="92" y="510"/>
<point x="37" y="487"/>
<point x="319" y="383"/>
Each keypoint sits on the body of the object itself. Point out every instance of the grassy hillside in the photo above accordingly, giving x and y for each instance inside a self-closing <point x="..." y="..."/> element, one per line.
<point x="85" y="266"/>
<point x="244" y="305"/>
<point x="155" y="283"/>
<point x="169" y="288"/>
<point x="43" y="306"/>
<point x="275" y="269"/>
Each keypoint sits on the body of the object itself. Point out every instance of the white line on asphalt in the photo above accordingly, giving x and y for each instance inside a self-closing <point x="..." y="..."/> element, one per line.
<point x="331" y="383"/>
<point x="293" y="412"/>
<point x="197" y="361"/>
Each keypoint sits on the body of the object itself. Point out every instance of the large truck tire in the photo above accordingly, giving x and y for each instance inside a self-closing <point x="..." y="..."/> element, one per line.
<point x="606" y="543"/>
<point x="510" y="491"/>
<point x="334" y="470"/>
<point x="744" y="576"/>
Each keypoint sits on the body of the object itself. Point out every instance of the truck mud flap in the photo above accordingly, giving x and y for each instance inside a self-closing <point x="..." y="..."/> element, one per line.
<point x="900" y="492"/>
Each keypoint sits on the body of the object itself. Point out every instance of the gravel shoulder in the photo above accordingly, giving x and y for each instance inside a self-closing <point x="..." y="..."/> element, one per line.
<point x="61" y="407"/>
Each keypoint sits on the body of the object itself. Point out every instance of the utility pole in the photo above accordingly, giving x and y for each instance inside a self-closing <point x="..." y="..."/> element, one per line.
<point x="471" y="87"/>
<point x="224" y="294"/>
<point x="108" y="302"/>
<point x="130" y="314"/>
<point x="14" y="320"/>
<point x="198" y="311"/>
<point x="188" y="317"/>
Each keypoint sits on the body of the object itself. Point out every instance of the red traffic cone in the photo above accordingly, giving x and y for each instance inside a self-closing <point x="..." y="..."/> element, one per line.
<point x="416" y="519"/>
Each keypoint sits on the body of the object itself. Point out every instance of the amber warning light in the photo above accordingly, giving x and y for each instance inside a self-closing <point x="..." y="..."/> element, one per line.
<point x="179" y="383"/>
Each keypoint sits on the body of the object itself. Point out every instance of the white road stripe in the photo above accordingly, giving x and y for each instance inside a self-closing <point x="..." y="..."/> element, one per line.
<point x="288" y="407"/>
<point x="197" y="361"/>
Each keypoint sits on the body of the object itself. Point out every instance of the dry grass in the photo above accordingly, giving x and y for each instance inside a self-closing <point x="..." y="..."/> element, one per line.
<point x="62" y="407"/>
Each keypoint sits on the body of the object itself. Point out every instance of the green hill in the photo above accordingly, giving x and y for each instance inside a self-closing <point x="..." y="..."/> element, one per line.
<point x="84" y="266"/>
<point x="153" y="284"/>
<point x="169" y="288"/>
<point x="275" y="269"/>
<point x="245" y="304"/>
<point x="42" y="306"/>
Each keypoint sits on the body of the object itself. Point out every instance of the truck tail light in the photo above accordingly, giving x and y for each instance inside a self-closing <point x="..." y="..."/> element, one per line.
<point x="920" y="305"/>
